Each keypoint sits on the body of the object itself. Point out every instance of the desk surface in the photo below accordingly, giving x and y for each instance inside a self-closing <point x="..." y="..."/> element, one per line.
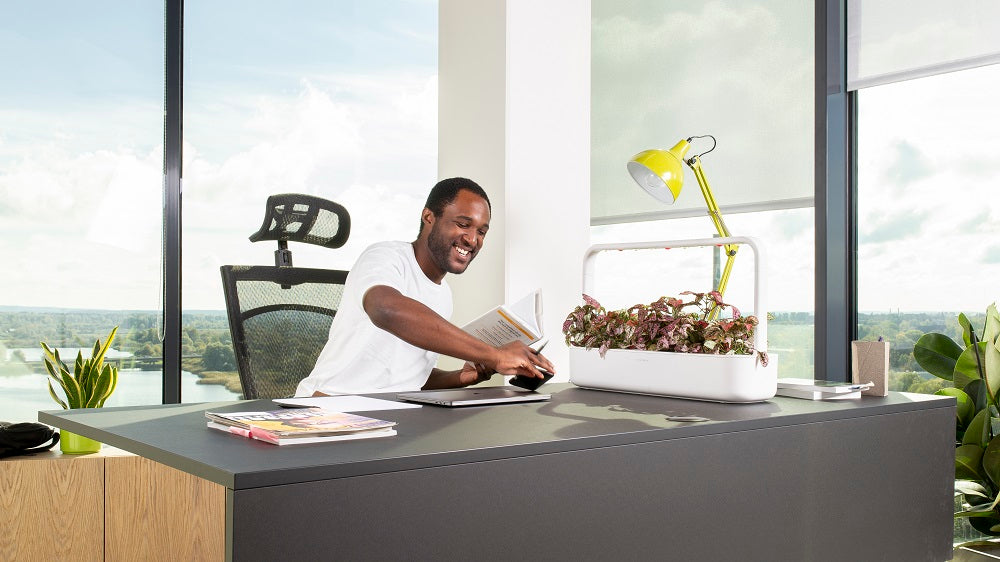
<point x="574" y="419"/>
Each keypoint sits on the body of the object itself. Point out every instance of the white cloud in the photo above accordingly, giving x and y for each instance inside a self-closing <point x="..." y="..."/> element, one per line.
<point x="949" y="203"/>
<point x="91" y="219"/>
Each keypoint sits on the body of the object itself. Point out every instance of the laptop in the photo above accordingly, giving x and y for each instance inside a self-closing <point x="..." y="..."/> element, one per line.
<point x="472" y="396"/>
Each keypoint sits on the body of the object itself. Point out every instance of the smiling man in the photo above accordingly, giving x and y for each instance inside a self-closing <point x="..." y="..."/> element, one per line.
<point x="393" y="320"/>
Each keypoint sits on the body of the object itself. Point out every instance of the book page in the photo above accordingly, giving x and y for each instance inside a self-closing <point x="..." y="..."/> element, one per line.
<point x="505" y="324"/>
<point x="528" y="310"/>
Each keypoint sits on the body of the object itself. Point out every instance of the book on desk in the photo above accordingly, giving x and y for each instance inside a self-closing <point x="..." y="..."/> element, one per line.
<point x="810" y="389"/>
<point x="300" y="425"/>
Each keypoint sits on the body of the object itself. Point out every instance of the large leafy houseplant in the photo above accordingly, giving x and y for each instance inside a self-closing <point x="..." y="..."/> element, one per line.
<point x="667" y="324"/>
<point x="974" y="370"/>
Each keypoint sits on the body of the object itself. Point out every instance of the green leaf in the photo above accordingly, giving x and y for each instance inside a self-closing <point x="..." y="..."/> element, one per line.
<point x="99" y="352"/>
<point x="971" y="488"/>
<point x="52" y="393"/>
<point x="101" y="385"/>
<point x="977" y="392"/>
<point x="965" y="408"/>
<point x="991" y="364"/>
<point x="967" y="458"/>
<point x="963" y="321"/>
<point x="114" y="384"/>
<point x="937" y="354"/>
<point x="974" y="433"/>
<point x="984" y="510"/>
<point x="48" y="351"/>
<point x="991" y="461"/>
<point x="984" y="524"/>
<point x="992" y="329"/>
<point x="50" y="368"/>
<point x="72" y="390"/>
<point x="967" y="368"/>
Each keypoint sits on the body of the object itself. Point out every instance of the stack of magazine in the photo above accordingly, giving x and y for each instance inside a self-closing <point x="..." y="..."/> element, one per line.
<point x="300" y="425"/>
<point x="810" y="389"/>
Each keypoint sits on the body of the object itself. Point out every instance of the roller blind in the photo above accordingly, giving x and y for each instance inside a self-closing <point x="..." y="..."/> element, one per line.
<point x="664" y="71"/>
<point x="892" y="41"/>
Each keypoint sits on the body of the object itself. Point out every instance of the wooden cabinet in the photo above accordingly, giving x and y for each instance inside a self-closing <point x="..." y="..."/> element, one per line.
<point x="110" y="505"/>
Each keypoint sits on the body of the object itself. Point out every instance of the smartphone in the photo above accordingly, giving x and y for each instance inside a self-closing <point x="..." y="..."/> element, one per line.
<point x="530" y="383"/>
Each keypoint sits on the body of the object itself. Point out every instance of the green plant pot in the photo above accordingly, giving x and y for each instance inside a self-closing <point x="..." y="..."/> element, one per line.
<point x="72" y="444"/>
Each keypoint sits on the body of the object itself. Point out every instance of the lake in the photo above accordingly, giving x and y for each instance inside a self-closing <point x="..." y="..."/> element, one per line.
<point x="21" y="396"/>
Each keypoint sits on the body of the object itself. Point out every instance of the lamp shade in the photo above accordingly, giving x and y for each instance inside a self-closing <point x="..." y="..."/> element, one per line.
<point x="660" y="172"/>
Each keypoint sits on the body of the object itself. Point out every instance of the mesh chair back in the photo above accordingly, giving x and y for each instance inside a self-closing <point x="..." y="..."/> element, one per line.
<point x="304" y="218"/>
<point x="278" y="332"/>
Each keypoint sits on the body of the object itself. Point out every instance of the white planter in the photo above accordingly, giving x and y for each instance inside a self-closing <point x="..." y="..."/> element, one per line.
<point x="717" y="378"/>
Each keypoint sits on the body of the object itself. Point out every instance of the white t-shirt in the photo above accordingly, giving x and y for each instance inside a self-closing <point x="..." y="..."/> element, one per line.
<point x="359" y="356"/>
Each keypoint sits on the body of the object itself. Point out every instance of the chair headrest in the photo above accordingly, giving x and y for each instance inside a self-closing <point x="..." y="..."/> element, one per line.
<point x="304" y="218"/>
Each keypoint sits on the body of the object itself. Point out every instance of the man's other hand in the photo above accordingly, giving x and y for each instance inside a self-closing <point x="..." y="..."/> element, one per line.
<point x="515" y="358"/>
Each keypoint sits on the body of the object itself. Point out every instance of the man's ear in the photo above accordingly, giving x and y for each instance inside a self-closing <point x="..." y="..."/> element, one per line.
<point x="428" y="218"/>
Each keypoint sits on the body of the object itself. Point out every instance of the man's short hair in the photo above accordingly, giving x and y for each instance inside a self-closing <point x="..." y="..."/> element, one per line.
<point x="445" y="191"/>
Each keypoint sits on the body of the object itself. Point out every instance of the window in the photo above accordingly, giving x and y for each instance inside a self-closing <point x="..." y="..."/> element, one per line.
<point x="927" y="211"/>
<point x="333" y="99"/>
<point x="81" y="133"/>
<point x="337" y="100"/>
<point x="743" y="72"/>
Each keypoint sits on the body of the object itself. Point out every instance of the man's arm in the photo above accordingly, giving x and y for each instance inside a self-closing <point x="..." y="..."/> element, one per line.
<point x="418" y="325"/>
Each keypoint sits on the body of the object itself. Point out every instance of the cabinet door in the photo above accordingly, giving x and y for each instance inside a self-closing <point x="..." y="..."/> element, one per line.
<point x="52" y="508"/>
<point x="155" y="512"/>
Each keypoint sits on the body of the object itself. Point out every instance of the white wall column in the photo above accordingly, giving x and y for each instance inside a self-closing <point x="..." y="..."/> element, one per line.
<point x="514" y="115"/>
<point x="548" y="157"/>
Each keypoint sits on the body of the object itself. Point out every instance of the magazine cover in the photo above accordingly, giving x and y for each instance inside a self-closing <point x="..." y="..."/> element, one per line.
<point x="299" y="421"/>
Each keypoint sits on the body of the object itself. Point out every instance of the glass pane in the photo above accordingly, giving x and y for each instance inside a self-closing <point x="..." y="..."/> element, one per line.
<point x="786" y="238"/>
<point x="332" y="99"/>
<point x="665" y="71"/>
<point x="928" y="214"/>
<point x="81" y="133"/>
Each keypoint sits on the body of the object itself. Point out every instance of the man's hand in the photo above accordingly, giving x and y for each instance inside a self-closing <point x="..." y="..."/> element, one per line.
<point x="474" y="373"/>
<point x="515" y="358"/>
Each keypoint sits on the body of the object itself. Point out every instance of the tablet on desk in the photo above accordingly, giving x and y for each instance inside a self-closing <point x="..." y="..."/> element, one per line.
<point x="472" y="396"/>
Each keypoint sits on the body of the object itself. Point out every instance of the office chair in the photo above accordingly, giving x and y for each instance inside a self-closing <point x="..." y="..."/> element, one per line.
<point x="279" y="316"/>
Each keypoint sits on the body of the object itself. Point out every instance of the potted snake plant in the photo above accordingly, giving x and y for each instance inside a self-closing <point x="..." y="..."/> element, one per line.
<point x="88" y="385"/>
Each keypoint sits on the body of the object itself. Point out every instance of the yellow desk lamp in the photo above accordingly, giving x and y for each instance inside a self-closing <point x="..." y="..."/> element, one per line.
<point x="660" y="173"/>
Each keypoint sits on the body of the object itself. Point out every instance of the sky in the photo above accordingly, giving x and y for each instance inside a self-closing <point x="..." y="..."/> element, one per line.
<point x="343" y="104"/>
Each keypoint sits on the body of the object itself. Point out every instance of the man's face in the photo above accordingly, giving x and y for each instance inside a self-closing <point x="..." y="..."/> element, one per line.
<point x="456" y="236"/>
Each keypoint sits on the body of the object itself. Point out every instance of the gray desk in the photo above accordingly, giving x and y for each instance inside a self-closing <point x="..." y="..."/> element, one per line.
<point x="589" y="475"/>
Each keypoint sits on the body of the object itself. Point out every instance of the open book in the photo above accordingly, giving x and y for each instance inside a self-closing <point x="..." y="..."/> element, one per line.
<point x="521" y="320"/>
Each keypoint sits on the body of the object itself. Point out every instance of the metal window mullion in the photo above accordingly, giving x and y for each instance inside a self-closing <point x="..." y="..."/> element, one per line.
<point x="172" y="139"/>
<point x="835" y="279"/>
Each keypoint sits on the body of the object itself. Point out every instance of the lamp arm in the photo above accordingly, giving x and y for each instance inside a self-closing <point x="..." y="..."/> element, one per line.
<point x="713" y="208"/>
<point x="720" y="225"/>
